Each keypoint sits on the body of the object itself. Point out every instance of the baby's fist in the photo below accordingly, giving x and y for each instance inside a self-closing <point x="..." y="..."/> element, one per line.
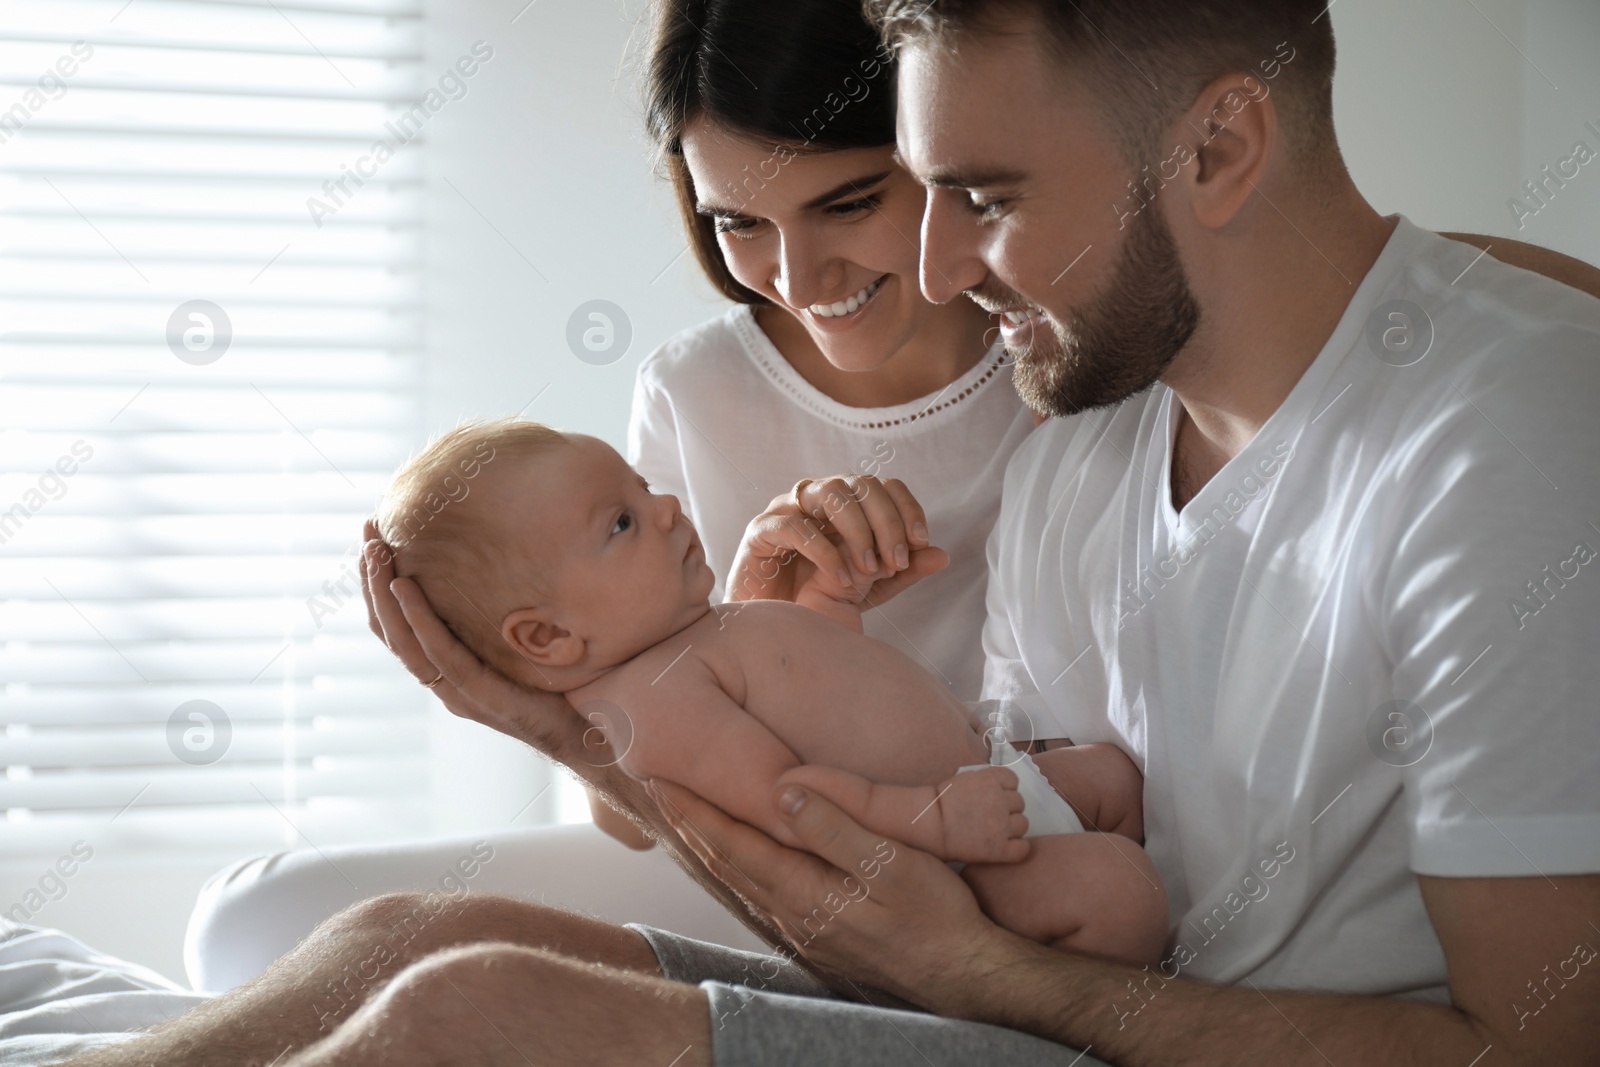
<point x="981" y="812"/>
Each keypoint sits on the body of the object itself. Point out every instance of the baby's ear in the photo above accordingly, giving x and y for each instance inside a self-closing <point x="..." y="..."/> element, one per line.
<point x="540" y="640"/>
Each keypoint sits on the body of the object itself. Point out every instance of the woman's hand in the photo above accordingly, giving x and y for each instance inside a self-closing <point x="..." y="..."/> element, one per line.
<point x="862" y="909"/>
<point x="851" y="538"/>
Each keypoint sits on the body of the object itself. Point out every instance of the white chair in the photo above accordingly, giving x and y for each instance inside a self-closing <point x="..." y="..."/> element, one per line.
<point x="252" y="912"/>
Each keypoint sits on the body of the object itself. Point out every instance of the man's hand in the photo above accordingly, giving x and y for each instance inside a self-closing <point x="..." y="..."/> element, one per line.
<point x="861" y="910"/>
<point x="399" y="613"/>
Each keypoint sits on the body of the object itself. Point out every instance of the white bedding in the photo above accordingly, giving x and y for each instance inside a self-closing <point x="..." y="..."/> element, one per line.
<point x="59" y="997"/>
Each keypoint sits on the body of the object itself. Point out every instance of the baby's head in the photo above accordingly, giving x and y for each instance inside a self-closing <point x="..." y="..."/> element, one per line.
<point x="543" y="551"/>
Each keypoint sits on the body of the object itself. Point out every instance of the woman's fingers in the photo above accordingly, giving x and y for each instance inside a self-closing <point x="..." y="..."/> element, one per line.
<point x="924" y="561"/>
<point x="817" y="549"/>
<point x="764" y="568"/>
<point x="880" y="520"/>
<point x="889" y="526"/>
<point x="835" y="500"/>
<point x="911" y="513"/>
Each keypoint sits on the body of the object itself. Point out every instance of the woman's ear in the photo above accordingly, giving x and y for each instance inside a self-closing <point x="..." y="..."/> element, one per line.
<point x="540" y="640"/>
<point x="1233" y="125"/>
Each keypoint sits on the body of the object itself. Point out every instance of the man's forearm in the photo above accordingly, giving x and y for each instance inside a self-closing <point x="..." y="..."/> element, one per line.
<point x="1135" y="1017"/>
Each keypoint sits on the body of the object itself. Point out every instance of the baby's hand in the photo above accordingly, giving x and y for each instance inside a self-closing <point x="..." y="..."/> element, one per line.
<point x="981" y="812"/>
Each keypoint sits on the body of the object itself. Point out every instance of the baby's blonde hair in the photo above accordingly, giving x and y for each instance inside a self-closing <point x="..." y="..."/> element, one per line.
<point x="470" y="576"/>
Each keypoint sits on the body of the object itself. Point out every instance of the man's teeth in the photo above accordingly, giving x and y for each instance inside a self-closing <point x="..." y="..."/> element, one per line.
<point x="1016" y="318"/>
<point x="845" y="307"/>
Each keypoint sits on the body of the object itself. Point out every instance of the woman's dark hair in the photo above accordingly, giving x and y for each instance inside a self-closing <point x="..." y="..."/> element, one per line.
<point x="804" y="75"/>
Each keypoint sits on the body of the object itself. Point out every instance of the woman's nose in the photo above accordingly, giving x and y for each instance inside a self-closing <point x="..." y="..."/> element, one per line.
<point x="801" y="268"/>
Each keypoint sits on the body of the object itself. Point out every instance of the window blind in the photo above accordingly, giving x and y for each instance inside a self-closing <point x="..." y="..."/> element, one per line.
<point x="203" y="388"/>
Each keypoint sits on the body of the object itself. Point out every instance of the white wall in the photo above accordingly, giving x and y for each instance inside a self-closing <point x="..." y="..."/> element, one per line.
<point x="1440" y="116"/>
<point x="1446" y="108"/>
<point x="1563" y="38"/>
<point x="1428" y="105"/>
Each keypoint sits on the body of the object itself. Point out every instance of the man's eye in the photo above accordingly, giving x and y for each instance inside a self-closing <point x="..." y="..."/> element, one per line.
<point x="623" y="523"/>
<point x="986" y="209"/>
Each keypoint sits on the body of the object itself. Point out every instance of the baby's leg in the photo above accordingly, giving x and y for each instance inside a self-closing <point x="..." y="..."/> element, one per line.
<point x="1097" y="894"/>
<point x="1102" y="785"/>
<point x="976" y="818"/>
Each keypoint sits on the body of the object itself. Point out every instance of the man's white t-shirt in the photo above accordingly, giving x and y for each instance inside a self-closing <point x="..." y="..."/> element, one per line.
<point x="1366" y="648"/>
<point x="722" y="421"/>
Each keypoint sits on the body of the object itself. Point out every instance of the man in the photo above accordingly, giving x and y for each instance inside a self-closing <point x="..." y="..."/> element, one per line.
<point x="1324" y="583"/>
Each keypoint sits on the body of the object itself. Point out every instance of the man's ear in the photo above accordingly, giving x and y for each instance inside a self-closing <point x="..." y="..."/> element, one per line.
<point x="1233" y="125"/>
<point x="539" y="639"/>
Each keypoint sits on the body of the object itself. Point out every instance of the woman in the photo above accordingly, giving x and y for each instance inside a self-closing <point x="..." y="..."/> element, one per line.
<point x="831" y="361"/>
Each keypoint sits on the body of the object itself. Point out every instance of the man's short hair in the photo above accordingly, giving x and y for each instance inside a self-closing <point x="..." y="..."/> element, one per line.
<point x="1147" y="60"/>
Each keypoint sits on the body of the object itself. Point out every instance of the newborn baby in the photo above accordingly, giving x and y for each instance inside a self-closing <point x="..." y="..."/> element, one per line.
<point x="552" y="559"/>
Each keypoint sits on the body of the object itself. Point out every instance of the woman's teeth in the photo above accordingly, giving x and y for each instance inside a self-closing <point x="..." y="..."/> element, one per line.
<point x="845" y="307"/>
<point x="1016" y="318"/>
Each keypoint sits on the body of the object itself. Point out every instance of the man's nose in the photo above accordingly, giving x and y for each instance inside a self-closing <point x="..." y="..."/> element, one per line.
<point x="950" y="263"/>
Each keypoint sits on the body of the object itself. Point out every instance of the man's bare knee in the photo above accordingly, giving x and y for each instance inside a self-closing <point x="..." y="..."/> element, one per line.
<point x="414" y="925"/>
<point x="497" y="1002"/>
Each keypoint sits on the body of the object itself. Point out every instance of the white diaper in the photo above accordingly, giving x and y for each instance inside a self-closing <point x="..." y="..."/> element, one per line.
<point x="1047" y="811"/>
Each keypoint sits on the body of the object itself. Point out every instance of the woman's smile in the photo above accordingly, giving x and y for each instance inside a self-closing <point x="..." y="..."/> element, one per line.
<point x="847" y="307"/>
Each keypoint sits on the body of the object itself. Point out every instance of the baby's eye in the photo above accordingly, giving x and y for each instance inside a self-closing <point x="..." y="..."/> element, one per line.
<point x="623" y="523"/>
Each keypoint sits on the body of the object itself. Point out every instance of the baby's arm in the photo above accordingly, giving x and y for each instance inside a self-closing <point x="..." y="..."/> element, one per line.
<point x="843" y="612"/>
<point x="974" y="817"/>
<point x="699" y="737"/>
<point x="688" y="730"/>
<point x="1102" y="785"/>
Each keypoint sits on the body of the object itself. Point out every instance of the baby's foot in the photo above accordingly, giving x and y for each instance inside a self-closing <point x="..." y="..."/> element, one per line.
<point x="981" y="812"/>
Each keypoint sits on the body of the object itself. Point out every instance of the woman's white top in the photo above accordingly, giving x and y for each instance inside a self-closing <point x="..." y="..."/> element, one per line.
<point x="723" y="422"/>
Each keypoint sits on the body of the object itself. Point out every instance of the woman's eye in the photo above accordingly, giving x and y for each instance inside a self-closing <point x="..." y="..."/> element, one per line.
<point x="854" y="206"/>
<point x="623" y="523"/>
<point x="734" y="226"/>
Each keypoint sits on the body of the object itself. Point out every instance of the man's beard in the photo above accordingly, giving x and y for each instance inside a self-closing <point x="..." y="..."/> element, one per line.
<point x="1122" y="342"/>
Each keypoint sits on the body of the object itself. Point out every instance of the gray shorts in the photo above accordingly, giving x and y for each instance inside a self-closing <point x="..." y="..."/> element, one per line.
<point x="768" y="1012"/>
